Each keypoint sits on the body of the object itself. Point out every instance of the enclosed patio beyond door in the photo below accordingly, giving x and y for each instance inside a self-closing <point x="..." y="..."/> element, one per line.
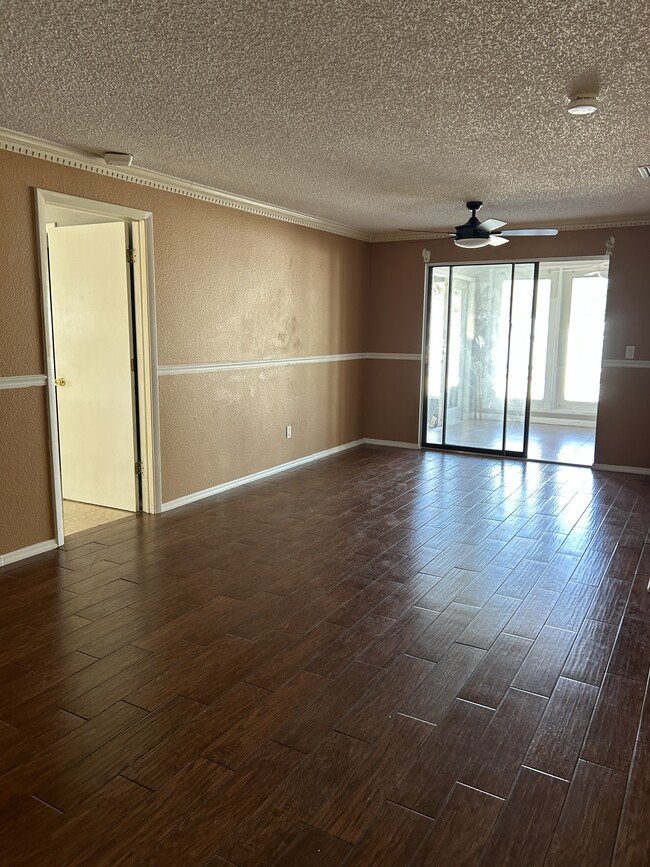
<point x="479" y="357"/>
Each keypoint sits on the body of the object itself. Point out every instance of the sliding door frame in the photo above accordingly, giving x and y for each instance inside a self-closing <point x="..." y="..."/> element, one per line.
<point x="444" y="446"/>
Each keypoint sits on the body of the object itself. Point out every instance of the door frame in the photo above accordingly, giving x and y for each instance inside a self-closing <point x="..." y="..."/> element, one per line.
<point x="144" y="327"/>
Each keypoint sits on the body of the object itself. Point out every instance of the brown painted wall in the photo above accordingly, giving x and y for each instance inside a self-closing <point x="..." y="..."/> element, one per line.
<point x="391" y="391"/>
<point x="623" y="431"/>
<point x="396" y="293"/>
<point x="26" y="514"/>
<point x="395" y="312"/>
<point x="230" y="286"/>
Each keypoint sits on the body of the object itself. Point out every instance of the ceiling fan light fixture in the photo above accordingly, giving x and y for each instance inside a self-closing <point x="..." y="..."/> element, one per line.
<point x="470" y="243"/>
<point x="583" y="104"/>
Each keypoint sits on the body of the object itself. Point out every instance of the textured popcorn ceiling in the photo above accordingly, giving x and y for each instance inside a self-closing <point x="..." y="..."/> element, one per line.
<point x="379" y="114"/>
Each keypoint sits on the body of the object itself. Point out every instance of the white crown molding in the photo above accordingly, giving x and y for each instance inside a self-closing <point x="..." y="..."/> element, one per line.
<point x="637" y="363"/>
<point x="76" y="158"/>
<point x="7" y="382"/>
<point x="382" y="237"/>
<point x="31" y="146"/>
<point x="30" y="551"/>
<point x="212" y="367"/>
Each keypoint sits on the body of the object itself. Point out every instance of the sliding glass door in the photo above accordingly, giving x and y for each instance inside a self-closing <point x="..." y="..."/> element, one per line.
<point x="478" y="358"/>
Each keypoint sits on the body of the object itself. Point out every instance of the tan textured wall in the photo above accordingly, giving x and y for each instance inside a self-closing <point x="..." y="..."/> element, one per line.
<point x="229" y="424"/>
<point x="26" y="515"/>
<point x="233" y="286"/>
<point x="230" y="286"/>
<point x="253" y="288"/>
<point x="395" y="325"/>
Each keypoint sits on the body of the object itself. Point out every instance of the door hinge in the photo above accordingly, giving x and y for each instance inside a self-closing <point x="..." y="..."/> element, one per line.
<point x="139" y="468"/>
<point x="130" y="255"/>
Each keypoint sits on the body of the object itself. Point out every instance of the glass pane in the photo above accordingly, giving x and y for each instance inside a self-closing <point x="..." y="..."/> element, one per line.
<point x="519" y="356"/>
<point x="540" y="347"/>
<point x="585" y="341"/>
<point x="436" y="348"/>
<point x="478" y="355"/>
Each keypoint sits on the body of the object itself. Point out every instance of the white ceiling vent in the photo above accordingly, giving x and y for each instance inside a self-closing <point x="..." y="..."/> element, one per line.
<point x="644" y="171"/>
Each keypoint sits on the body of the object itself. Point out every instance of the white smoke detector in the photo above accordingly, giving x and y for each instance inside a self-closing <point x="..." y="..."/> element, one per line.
<point x="582" y="104"/>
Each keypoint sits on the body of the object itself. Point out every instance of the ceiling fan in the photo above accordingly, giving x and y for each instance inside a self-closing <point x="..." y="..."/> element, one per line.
<point x="474" y="233"/>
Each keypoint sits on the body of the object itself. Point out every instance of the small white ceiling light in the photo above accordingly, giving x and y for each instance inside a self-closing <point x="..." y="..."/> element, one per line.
<point x="112" y="158"/>
<point x="582" y="104"/>
<point x="470" y="243"/>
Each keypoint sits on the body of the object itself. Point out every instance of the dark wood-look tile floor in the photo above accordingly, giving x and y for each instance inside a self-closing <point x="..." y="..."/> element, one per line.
<point x="385" y="658"/>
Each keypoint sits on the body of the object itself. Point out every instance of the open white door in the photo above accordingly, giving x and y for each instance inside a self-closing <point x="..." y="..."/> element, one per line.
<point x="91" y="313"/>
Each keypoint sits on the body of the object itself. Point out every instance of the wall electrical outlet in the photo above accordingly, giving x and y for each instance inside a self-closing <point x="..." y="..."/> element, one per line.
<point x="629" y="351"/>
<point x="288" y="431"/>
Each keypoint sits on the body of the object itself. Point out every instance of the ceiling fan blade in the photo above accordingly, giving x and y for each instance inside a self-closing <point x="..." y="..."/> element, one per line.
<point x="497" y="240"/>
<point x="530" y="232"/>
<point x="490" y="225"/>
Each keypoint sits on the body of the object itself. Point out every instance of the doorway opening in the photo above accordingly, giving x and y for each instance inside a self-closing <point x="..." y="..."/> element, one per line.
<point x="513" y="358"/>
<point x="100" y="346"/>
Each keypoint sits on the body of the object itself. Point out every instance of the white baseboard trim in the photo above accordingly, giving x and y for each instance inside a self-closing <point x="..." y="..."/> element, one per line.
<point x="256" y="477"/>
<point x="29" y="551"/>
<point x="568" y="422"/>
<point x="614" y="468"/>
<point x="392" y="444"/>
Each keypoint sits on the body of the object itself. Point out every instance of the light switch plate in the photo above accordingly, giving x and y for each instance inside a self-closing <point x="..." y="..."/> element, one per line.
<point x="629" y="351"/>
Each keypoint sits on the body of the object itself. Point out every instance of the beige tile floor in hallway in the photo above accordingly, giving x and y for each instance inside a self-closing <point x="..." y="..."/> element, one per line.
<point x="84" y="516"/>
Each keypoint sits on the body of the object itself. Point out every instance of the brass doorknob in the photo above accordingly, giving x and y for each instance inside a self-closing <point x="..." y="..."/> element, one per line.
<point x="60" y="381"/>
